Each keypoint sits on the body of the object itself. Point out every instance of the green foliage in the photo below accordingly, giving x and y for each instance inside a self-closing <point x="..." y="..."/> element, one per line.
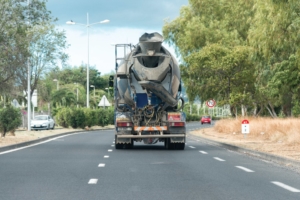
<point x="102" y="116"/>
<point x="242" y="53"/>
<point x="84" y="117"/>
<point x="77" y="118"/>
<point x="10" y="119"/>
<point x="63" y="117"/>
<point x="192" y="117"/>
<point x="90" y="117"/>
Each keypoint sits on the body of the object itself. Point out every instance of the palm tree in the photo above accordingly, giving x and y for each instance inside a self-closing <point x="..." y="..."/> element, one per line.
<point x="63" y="97"/>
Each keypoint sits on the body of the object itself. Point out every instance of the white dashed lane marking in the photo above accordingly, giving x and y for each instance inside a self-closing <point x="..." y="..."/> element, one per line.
<point x="106" y="156"/>
<point x="287" y="187"/>
<point x="101" y="165"/>
<point x="109" y="150"/>
<point x="93" y="181"/>
<point x="203" y="152"/>
<point x="112" y="145"/>
<point x="244" y="168"/>
<point x="192" y="147"/>
<point x="219" y="159"/>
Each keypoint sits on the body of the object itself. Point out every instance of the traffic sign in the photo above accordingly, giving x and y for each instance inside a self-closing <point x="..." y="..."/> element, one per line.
<point x="211" y="103"/>
<point x="245" y="127"/>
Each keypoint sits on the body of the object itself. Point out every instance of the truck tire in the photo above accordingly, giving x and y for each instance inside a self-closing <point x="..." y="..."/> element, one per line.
<point x="180" y="146"/>
<point x="168" y="144"/>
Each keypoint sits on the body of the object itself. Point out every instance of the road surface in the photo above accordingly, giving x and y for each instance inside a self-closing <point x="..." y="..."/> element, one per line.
<point x="87" y="166"/>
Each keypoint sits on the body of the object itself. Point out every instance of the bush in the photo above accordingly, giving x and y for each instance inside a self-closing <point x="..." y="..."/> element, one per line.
<point x="102" y="117"/>
<point x="90" y="117"/>
<point x="82" y="117"/>
<point x="192" y="117"/>
<point x="77" y="118"/>
<point x="63" y="117"/>
<point x="10" y="119"/>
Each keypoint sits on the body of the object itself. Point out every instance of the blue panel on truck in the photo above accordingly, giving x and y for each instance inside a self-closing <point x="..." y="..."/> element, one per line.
<point x="155" y="99"/>
<point x="141" y="100"/>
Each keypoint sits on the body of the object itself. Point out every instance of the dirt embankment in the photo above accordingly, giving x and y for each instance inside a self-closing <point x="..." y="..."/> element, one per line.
<point x="275" y="136"/>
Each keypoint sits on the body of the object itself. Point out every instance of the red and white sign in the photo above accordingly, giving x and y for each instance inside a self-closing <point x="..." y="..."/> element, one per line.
<point x="211" y="103"/>
<point x="245" y="126"/>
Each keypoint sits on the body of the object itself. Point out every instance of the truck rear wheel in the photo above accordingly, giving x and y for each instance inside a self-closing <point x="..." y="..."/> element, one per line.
<point x="168" y="144"/>
<point x="180" y="146"/>
<point x="129" y="146"/>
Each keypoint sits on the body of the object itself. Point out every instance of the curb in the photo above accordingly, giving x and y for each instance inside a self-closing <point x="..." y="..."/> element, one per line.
<point x="261" y="155"/>
<point x="24" y="144"/>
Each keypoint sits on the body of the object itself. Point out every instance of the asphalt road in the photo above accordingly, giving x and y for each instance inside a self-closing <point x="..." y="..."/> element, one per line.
<point x="87" y="166"/>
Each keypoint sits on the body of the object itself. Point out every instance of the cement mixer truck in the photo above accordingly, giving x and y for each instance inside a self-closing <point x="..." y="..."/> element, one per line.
<point x="147" y="89"/>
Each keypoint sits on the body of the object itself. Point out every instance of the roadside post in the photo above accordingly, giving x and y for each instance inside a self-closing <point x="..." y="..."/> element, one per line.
<point x="245" y="127"/>
<point x="211" y="104"/>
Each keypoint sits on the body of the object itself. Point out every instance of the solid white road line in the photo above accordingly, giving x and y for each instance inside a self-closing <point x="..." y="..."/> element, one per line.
<point x="93" y="181"/>
<point x="106" y="156"/>
<point x="244" y="168"/>
<point x="109" y="150"/>
<point x="203" y="152"/>
<point x="192" y="147"/>
<point x="285" y="186"/>
<point x="101" y="165"/>
<point x="9" y="151"/>
<point x="219" y="159"/>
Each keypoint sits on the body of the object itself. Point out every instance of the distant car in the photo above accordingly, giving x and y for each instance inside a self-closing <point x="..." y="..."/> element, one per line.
<point x="42" y="122"/>
<point x="205" y="120"/>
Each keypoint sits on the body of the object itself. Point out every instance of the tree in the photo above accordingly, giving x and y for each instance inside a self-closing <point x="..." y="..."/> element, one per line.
<point x="63" y="97"/>
<point x="211" y="37"/>
<point x="47" y="52"/>
<point x="275" y="38"/>
<point x="13" y="47"/>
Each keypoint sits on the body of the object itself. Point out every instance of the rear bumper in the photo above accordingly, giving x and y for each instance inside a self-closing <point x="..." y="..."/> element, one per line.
<point x="39" y="127"/>
<point x="152" y="136"/>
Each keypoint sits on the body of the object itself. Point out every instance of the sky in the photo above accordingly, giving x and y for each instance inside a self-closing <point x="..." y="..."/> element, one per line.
<point x="128" y="21"/>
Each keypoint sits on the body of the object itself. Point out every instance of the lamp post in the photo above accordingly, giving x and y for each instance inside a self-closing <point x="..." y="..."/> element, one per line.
<point x="57" y="85"/>
<point x="76" y="93"/>
<point x="28" y="87"/>
<point x="94" y="90"/>
<point x="87" y="25"/>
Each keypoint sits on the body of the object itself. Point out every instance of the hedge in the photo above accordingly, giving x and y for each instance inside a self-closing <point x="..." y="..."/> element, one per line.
<point x="84" y="117"/>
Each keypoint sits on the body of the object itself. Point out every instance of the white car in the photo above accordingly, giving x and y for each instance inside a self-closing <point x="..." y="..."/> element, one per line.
<point x="42" y="122"/>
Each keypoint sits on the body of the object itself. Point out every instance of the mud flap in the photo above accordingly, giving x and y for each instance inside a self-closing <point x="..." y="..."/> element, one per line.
<point x="123" y="140"/>
<point x="178" y="140"/>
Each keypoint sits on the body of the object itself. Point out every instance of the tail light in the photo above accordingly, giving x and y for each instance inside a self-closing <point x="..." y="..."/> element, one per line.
<point x="124" y="124"/>
<point x="178" y="124"/>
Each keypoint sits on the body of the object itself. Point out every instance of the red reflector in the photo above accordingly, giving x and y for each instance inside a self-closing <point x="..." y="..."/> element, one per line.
<point x="177" y="123"/>
<point x="124" y="124"/>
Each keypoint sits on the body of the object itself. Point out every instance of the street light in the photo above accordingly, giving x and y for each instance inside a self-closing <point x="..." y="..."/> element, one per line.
<point x="107" y="91"/>
<point x="57" y="85"/>
<point x="94" y="90"/>
<point x="76" y="93"/>
<point x="87" y="25"/>
<point x="28" y="86"/>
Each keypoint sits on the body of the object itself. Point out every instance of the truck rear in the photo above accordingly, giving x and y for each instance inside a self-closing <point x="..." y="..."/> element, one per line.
<point x="147" y="87"/>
